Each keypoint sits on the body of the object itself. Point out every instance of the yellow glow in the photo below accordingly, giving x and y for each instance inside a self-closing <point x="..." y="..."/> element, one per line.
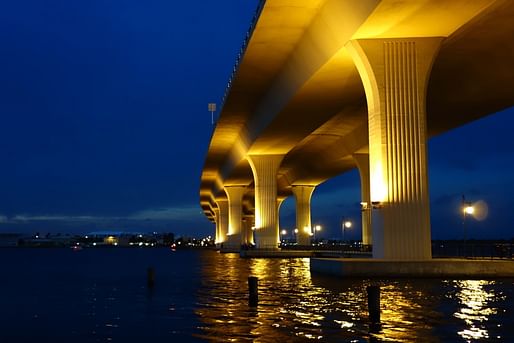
<point x="318" y="227"/>
<point x="348" y="224"/>
<point x="469" y="210"/>
<point x="284" y="232"/>
<point x="378" y="185"/>
<point x="295" y="230"/>
<point x="306" y="229"/>
<point x="111" y="240"/>
<point x="475" y="299"/>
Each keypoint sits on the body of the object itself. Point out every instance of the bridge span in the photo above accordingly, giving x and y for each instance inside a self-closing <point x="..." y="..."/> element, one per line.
<point x="325" y="86"/>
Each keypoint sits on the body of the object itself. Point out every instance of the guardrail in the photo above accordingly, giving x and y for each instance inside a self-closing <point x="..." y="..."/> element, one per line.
<point x="474" y="250"/>
<point x="242" y="51"/>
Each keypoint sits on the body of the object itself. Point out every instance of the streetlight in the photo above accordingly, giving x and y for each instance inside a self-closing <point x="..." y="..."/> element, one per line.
<point x="282" y="234"/>
<point x="467" y="209"/>
<point x="345" y="224"/>
<point x="317" y="228"/>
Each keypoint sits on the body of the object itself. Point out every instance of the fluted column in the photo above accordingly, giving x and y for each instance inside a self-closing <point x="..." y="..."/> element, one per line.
<point x="280" y="201"/>
<point x="395" y="74"/>
<point x="223" y="220"/>
<point x="235" y="212"/>
<point x="265" y="168"/>
<point x="303" y="196"/>
<point x="362" y="161"/>
<point x="246" y="231"/>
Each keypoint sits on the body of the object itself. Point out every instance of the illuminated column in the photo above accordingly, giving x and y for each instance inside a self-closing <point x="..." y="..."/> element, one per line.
<point x="235" y="213"/>
<point x="223" y="220"/>
<point x="247" y="232"/>
<point x="362" y="161"/>
<point x="265" y="168"/>
<point x="280" y="200"/>
<point x="217" y="221"/>
<point x="303" y="195"/>
<point x="395" y="74"/>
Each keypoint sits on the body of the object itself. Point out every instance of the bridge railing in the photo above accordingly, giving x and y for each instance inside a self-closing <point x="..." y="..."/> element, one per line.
<point x="242" y="51"/>
<point x="475" y="250"/>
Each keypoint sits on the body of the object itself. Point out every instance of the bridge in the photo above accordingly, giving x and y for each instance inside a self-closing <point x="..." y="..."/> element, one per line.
<point x="325" y="86"/>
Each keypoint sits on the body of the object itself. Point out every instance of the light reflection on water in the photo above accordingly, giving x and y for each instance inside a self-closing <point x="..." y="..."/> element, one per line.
<point x="477" y="298"/>
<point x="293" y="306"/>
<point x="100" y="295"/>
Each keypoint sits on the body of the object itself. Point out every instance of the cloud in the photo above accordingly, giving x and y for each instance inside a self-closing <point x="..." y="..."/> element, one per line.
<point x="162" y="214"/>
<point x="168" y="213"/>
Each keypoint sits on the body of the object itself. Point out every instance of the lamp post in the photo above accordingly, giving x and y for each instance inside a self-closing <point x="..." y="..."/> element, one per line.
<point x="282" y="234"/>
<point x="345" y="224"/>
<point x="467" y="209"/>
<point x="317" y="228"/>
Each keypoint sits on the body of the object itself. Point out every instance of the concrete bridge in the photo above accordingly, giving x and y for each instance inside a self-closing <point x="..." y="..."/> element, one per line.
<point x="325" y="86"/>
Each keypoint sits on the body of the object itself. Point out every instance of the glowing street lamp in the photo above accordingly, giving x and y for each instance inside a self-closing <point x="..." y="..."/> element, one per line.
<point x="345" y="224"/>
<point x="282" y="234"/>
<point x="467" y="209"/>
<point x="317" y="228"/>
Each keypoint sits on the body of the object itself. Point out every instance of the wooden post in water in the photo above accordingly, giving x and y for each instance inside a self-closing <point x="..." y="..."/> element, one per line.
<point x="253" y="283"/>
<point x="150" y="277"/>
<point x="374" y="304"/>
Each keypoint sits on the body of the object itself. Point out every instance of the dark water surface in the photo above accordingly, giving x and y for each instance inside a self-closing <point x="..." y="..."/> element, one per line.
<point x="101" y="295"/>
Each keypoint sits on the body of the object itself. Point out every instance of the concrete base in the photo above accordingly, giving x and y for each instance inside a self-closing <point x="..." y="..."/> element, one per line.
<point x="229" y="249"/>
<point x="440" y="268"/>
<point x="256" y="253"/>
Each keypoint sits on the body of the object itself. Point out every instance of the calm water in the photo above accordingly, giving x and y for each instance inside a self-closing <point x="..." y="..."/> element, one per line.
<point x="100" y="295"/>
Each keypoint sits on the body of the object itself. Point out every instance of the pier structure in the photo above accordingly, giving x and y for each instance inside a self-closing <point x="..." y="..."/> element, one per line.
<point x="322" y="87"/>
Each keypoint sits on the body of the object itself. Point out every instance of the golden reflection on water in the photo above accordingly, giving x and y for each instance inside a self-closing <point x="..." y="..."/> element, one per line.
<point x="475" y="308"/>
<point x="294" y="308"/>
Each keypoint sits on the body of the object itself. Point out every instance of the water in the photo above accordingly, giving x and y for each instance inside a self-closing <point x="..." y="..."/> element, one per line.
<point x="101" y="295"/>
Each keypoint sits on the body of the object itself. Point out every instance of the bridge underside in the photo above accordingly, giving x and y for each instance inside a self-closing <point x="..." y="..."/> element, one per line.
<point x="310" y="94"/>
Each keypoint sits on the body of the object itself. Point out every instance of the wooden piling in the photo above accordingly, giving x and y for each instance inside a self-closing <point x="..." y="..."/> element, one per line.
<point x="253" y="284"/>
<point x="150" y="277"/>
<point x="374" y="304"/>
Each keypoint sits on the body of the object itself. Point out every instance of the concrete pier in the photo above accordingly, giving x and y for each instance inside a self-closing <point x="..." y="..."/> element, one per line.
<point x="437" y="268"/>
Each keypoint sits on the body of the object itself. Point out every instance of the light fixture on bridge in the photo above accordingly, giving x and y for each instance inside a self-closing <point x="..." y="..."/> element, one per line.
<point x="212" y="109"/>
<point x="376" y="205"/>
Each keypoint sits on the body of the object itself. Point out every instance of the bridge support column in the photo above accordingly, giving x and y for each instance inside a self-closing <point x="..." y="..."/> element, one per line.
<point x="247" y="232"/>
<point x="362" y="161"/>
<point x="235" y="215"/>
<point x="265" y="168"/>
<point x="222" y="221"/>
<point x="395" y="74"/>
<point x="280" y="201"/>
<point x="303" y="196"/>
<point x="217" y="222"/>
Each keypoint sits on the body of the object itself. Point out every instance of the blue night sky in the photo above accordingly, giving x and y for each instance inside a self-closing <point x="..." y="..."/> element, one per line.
<point x="104" y="124"/>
